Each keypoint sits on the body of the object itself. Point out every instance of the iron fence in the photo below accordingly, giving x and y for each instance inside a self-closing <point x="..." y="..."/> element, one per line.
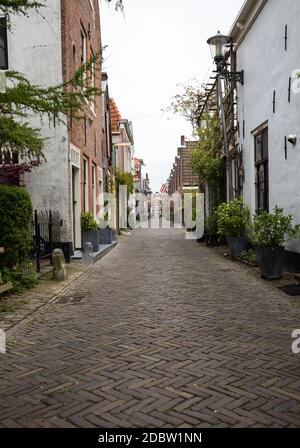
<point x="45" y="230"/>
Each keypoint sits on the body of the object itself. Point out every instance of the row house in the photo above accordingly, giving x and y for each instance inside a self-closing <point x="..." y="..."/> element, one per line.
<point x="256" y="94"/>
<point x="141" y="183"/>
<point x="107" y="144"/>
<point x="138" y="176"/>
<point x="181" y="178"/>
<point x="122" y="140"/>
<point x="146" y="185"/>
<point x="58" y="41"/>
<point x="267" y="49"/>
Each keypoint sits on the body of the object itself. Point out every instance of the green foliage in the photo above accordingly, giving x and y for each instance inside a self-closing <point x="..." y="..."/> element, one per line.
<point x="205" y="161"/>
<point x="249" y="256"/>
<point x="15" y="220"/>
<point x="21" y="100"/>
<point x="18" y="6"/>
<point x="20" y="280"/>
<point x="232" y="219"/>
<point x="211" y="224"/>
<point x="56" y="103"/>
<point x="272" y="229"/>
<point x="122" y="178"/>
<point x="187" y="103"/>
<point x="191" y="219"/>
<point x="211" y="230"/>
<point x="88" y="222"/>
<point x="6" y="309"/>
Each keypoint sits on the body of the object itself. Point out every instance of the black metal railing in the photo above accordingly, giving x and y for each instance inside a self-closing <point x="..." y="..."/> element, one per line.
<point x="45" y="229"/>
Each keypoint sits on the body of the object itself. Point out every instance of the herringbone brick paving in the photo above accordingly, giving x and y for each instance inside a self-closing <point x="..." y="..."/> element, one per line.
<point x="162" y="333"/>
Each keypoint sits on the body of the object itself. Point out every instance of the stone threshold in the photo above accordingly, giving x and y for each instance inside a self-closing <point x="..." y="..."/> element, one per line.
<point x="103" y="250"/>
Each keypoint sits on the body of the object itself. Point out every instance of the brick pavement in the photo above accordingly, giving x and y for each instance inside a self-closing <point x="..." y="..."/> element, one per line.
<point x="162" y="332"/>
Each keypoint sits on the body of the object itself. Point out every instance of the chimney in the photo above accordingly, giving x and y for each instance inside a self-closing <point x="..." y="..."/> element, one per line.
<point x="182" y="140"/>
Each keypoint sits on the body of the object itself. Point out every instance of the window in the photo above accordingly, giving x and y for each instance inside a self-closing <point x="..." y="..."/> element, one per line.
<point x="74" y="57"/>
<point x="94" y="193"/>
<point x="3" y="44"/>
<point x="85" y="185"/>
<point x="83" y="55"/>
<point x="92" y="80"/>
<point x="262" y="170"/>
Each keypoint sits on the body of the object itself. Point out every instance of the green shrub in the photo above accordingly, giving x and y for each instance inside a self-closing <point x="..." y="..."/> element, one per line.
<point x="88" y="222"/>
<point x="232" y="219"/>
<point x="20" y="280"/>
<point x="15" y="219"/>
<point x="211" y="224"/>
<point x="272" y="229"/>
<point x="250" y="256"/>
<point x="191" y="219"/>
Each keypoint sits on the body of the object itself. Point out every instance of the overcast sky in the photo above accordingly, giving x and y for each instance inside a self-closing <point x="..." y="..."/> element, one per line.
<point x="158" y="45"/>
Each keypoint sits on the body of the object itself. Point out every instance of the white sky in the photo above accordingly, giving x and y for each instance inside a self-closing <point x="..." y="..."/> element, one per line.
<point x="158" y="45"/>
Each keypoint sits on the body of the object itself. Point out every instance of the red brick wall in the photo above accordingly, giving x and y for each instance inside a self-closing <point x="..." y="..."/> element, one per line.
<point x="86" y="136"/>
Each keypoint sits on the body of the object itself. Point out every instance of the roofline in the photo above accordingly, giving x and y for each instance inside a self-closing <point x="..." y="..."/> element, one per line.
<point x="128" y="129"/>
<point x="245" y="20"/>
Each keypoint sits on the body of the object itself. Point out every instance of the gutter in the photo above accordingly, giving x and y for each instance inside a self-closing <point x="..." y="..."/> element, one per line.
<point x="245" y="20"/>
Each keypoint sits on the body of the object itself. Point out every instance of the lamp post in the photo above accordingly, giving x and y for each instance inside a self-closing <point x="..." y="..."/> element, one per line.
<point x="219" y="46"/>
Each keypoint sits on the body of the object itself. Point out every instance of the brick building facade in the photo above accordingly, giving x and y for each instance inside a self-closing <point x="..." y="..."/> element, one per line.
<point x="81" y="41"/>
<point x="58" y="41"/>
<point x="181" y="176"/>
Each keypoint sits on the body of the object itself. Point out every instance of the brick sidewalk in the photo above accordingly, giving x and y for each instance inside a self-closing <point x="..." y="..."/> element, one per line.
<point x="162" y="332"/>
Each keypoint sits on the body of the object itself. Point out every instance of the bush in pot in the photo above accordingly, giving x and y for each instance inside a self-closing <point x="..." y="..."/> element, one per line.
<point x="269" y="232"/>
<point x="191" y="220"/>
<point x="89" y="230"/>
<point x="211" y="230"/>
<point x="105" y="231"/>
<point x="232" y="220"/>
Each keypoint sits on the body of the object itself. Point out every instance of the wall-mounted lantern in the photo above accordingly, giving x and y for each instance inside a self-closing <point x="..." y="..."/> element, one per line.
<point x="219" y="47"/>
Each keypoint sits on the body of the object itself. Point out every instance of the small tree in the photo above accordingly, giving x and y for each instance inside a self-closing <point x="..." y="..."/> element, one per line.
<point x="21" y="145"/>
<point x="206" y="159"/>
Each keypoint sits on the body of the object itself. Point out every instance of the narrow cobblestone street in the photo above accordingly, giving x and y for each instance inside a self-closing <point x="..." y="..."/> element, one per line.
<point x="163" y="332"/>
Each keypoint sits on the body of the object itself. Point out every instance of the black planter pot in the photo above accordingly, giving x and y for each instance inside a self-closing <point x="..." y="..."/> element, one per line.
<point x="91" y="236"/>
<point x="270" y="261"/>
<point x="105" y="235"/>
<point x="236" y="246"/>
<point x="292" y="261"/>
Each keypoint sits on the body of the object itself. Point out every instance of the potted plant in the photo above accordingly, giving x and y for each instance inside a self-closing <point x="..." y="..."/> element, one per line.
<point x="105" y="231"/>
<point x="269" y="232"/>
<point x="89" y="230"/>
<point x="232" y="219"/>
<point x="211" y="230"/>
<point x="192" y="219"/>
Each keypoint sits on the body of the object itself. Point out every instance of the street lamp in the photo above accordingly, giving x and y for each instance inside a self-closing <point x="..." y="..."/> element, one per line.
<point x="219" y="46"/>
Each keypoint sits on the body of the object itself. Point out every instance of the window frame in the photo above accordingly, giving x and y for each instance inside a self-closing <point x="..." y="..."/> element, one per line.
<point x="5" y="36"/>
<point x="261" y="162"/>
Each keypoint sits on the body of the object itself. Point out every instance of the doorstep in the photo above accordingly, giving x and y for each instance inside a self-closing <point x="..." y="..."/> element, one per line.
<point x="103" y="250"/>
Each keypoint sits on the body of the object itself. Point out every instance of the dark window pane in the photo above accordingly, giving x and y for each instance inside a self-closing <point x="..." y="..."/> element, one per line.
<point x="258" y="148"/>
<point x="262" y="171"/>
<point x="265" y="144"/>
<point x="3" y="45"/>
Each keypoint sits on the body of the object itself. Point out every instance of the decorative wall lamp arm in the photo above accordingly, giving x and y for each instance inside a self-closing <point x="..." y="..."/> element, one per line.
<point x="219" y="47"/>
